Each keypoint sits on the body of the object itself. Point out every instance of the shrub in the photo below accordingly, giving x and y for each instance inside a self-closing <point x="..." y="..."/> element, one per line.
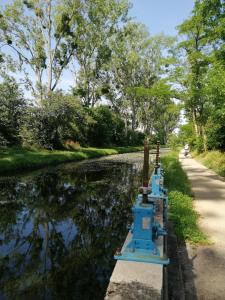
<point x="107" y="129"/>
<point x="60" y="118"/>
<point x="134" y="138"/>
<point x="215" y="130"/>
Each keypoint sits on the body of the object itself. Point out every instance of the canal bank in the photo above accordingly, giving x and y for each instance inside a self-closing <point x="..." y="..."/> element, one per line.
<point x="17" y="160"/>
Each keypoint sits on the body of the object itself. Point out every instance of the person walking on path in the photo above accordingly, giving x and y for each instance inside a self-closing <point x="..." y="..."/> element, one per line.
<point x="186" y="150"/>
<point x="207" y="262"/>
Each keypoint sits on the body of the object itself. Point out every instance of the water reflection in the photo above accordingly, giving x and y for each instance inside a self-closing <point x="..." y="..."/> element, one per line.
<point x="59" y="230"/>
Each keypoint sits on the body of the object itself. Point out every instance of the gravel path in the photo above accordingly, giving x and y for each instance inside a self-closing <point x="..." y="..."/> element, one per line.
<point x="207" y="264"/>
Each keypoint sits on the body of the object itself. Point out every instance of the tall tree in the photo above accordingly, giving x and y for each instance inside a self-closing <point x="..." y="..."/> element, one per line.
<point x="37" y="35"/>
<point x="195" y="47"/>
<point x="100" y="20"/>
<point x="158" y="113"/>
<point x="138" y="60"/>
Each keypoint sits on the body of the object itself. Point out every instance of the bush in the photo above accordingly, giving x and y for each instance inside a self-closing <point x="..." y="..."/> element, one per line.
<point x="62" y="122"/>
<point x="173" y="141"/>
<point x="134" y="138"/>
<point x="107" y="129"/>
<point x="215" y="130"/>
<point x="199" y="144"/>
<point x="187" y="134"/>
<point x="60" y="118"/>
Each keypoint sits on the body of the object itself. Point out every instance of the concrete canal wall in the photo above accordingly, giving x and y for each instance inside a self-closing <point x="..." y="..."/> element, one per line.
<point x="137" y="280"/>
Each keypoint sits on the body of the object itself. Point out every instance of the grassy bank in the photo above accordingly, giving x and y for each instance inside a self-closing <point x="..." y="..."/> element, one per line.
<point x="14" y="160"/>
<point x="181" y="212"/>
<point x="214" y="160"/>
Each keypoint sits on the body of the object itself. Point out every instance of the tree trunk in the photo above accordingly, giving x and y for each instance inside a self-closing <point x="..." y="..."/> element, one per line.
<point x="133" y="116"/>
<point x="204" y="139"/>
<point x="194" y="122"/>
<point x="49" y="46"/>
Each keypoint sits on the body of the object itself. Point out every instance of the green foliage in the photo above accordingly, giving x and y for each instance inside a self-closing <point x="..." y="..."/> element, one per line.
<point x="99" y="21"/>
<point x="60" y="118"/>
<point x="215" y="130"/>
<point x="12" y="106"/>
<point x="134" y="138"/>
<point x="38" y="35"/>
<point x="185" y="219"/>
<point x="137" y="63"/>
<point x="181" y="210"/>
<point x="203" y="73"/>
<point x="173" y="141"/>
<point x="118" y="60"/>
<point x="108" y="128"/>
<point x="186" y="134"/>
<point x="158" y="113"/>
<point x="214" y="160"/>
<point x="199" y="144"/>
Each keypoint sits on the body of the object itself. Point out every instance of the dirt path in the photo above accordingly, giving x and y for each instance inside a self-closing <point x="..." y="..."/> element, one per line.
<point x="207" y="263"/>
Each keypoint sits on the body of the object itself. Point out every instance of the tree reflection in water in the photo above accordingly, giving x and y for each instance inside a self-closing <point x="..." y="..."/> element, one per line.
<point x="60" y="229"/>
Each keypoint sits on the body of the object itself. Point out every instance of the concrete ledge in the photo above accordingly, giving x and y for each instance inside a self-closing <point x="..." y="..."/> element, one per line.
<point x="135" y="280"/>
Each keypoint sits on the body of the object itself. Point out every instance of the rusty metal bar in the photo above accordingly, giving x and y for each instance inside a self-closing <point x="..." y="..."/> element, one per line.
<point x="157" y="159"/>
<point x="145" y="171"/>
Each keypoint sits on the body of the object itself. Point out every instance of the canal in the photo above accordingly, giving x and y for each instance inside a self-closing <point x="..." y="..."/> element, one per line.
<point x="59" y="227"/>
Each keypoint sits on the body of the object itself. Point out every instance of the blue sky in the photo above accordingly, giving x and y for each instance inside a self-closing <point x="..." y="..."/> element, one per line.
<point x="158" y="15"/>
<point x="161" y="15"/>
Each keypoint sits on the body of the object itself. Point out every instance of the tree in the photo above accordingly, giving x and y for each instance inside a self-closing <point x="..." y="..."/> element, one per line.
<point x="158" y="113"/>
<point x="137" y="61"/>
<point x="37" y="35"/>
<point x="12" y="107"/>
<point x="100" y="21"/>
<point x="195" y="47"/>
<point x="203" y="83"/>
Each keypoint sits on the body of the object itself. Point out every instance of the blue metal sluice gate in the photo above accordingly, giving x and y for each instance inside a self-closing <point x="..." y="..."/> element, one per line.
<point x="147" y="237"/>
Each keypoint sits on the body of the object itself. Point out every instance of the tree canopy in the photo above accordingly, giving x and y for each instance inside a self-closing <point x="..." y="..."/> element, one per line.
<point x="124" y="86"/>
<point x="203" y="73"/>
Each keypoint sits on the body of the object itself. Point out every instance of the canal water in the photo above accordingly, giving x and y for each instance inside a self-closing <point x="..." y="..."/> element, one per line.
<point x="60" y="227"/>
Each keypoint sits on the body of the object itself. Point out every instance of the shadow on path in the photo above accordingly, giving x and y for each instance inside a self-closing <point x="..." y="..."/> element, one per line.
<point x="180" y="273"/>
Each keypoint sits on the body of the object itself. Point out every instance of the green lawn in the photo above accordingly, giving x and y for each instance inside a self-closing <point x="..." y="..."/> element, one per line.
<point x="18" y="159"/>
<point x="181" y="210"/>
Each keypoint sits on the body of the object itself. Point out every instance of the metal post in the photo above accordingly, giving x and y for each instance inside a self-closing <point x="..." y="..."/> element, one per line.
<point x="157" y="157"/>
<point x="145" y="172"/>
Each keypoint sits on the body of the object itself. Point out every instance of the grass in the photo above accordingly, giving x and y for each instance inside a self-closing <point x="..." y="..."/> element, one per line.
<point x="181" y="210"/>
<point x="14" y="160"/>
<point x="214" y="160"/>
